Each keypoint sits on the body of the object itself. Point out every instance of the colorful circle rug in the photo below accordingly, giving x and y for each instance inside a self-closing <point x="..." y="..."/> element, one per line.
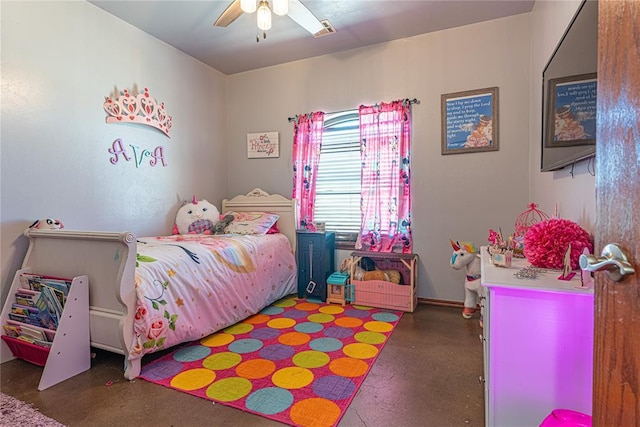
<point x="296" y="362"/>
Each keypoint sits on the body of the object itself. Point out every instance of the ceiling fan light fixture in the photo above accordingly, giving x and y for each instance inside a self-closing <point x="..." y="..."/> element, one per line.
<point x="248" y="6"/>
<point x="264" y="16"/>
<point x="280" y="7"/>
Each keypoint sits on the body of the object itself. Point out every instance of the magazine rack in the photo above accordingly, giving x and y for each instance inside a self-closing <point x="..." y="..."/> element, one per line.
<point x="70" y="352"/>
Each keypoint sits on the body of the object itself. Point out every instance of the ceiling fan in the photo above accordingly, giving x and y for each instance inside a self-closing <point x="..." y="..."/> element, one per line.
<point x="292" y="8"/>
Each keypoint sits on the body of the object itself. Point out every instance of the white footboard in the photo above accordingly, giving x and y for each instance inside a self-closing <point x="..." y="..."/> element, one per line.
<point x="108" y="259"/>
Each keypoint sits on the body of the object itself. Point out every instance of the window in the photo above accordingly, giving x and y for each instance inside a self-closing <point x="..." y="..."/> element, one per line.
<point x="352" y="171"/>
<point x="338" y="180"/>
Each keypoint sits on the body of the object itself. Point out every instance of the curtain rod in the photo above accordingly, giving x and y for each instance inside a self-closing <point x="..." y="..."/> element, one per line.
<point x="410" y="101"/>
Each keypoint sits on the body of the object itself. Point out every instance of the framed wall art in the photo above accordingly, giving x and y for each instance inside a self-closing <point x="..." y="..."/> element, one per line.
<point x="571" y="117"/>
<point x="263" y="145"/>
<point x="469" y="121"/>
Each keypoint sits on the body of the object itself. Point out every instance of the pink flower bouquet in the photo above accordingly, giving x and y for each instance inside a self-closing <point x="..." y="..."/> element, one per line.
<point x="546" y="243"/>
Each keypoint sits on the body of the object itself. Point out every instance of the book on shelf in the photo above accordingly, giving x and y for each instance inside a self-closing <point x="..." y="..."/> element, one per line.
<point x="31" y="280"/>
<point x="36" y="334"/>
<point x="25" y="310"/>
<point x="33" y="335"/>
<point x="31" y="340"/>
<point x="27" y="297"/>
<point x="59" y="286"/>
<point x="37" y="309"/>
<point x="11" y="330"/>
<point x="48" y="333"/>
<point x="33" y="320"/>
<point x="49" y="306"/>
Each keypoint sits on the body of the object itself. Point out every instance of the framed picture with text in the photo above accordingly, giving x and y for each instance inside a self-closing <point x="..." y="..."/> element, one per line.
<point x="469" y="121"/>
<point x="571" y="117"/>
<point x="263" y="145"/>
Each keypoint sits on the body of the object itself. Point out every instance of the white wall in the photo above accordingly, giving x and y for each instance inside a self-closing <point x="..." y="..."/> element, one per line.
<point x="455" y="196"/>
<point x="575" y="196"/>
<point x="59" y="62"/>
<point x="60" y="59"/>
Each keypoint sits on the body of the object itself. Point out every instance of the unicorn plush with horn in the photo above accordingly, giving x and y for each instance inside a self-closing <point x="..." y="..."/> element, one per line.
<point x="465" y="255"/>
<point x="196" y="217"/>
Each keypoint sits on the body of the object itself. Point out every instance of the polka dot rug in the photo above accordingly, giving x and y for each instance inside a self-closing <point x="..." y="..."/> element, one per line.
<point x="296" y="362"/>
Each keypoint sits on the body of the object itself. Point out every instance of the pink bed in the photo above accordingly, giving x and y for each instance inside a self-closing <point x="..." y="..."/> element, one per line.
<point x="148" y="294"/>
<point x="191" y="286"/>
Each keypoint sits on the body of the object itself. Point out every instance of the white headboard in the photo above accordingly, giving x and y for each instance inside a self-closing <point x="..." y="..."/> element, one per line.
<point x="261" y="201"/>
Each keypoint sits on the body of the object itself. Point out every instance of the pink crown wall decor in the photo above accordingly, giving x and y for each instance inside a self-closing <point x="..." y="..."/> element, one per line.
<point x="137" y="108"/>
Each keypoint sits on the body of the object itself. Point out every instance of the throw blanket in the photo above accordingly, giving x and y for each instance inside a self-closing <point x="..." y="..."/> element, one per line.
<point x="189" y="286"/>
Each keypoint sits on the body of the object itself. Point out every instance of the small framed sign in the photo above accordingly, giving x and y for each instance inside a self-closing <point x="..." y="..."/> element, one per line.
<point x="263" y="145"/>
<point x="470" y="121"/>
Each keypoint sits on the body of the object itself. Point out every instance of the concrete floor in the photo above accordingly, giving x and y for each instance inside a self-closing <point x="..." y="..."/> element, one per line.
<point x="426" y="375"/>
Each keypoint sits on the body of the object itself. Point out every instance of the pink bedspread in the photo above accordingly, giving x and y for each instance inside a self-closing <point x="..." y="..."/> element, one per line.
<point x="189" y="286"/>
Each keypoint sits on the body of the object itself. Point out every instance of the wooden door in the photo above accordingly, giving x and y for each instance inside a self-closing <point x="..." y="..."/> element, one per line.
<point x="616" y="391"/>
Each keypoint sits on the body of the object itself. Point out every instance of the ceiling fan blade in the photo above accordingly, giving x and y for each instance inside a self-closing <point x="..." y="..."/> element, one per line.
<point x="229" y="15"/>
<point x="303" y="16"/>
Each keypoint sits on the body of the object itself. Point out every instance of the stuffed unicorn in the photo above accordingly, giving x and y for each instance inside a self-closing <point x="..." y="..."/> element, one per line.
<point x="196" y="217"/>
<point x="465" y="255"/>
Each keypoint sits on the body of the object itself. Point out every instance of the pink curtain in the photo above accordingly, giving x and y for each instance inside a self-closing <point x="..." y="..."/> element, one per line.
<point x="385" y="143"/>
<point x="307" y="142"/>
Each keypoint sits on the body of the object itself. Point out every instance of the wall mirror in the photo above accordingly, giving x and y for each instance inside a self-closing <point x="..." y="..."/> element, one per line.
<point x="569" y="93"/>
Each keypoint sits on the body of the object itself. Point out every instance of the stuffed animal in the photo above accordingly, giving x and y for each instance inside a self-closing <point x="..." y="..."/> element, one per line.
<point x="367" y="263"/>
<point x="220" y="227"/>
<point x="196" y="217"/>
<point x="392" y="276"/>
<point x="47" y="224"/>
<point x="465" y="255"/>
<point x="361" y="274"/>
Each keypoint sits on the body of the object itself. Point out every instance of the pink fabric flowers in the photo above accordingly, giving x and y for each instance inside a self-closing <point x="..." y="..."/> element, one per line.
<point x="546" y="242"/>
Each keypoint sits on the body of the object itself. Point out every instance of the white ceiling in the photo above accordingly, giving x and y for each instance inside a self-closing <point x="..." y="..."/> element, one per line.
<point x="188" y="26"/>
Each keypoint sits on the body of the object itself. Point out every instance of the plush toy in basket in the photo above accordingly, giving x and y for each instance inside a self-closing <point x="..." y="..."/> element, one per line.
<point x="196" y="217"/>
<point x="365" y="269"/>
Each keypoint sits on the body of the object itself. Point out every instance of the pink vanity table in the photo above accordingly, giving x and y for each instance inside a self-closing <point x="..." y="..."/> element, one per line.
<point x="538" y="345"/>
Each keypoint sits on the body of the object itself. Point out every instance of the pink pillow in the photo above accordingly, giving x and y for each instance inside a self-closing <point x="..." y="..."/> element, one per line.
<point x="274" y="229"/>
<point x="251" y="222"/>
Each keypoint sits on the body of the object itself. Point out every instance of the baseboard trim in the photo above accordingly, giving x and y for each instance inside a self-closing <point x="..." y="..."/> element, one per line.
<point x="440" y="302"/>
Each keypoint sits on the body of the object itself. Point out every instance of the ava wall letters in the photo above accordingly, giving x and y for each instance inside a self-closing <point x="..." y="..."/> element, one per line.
<point x="118" y="150"/>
